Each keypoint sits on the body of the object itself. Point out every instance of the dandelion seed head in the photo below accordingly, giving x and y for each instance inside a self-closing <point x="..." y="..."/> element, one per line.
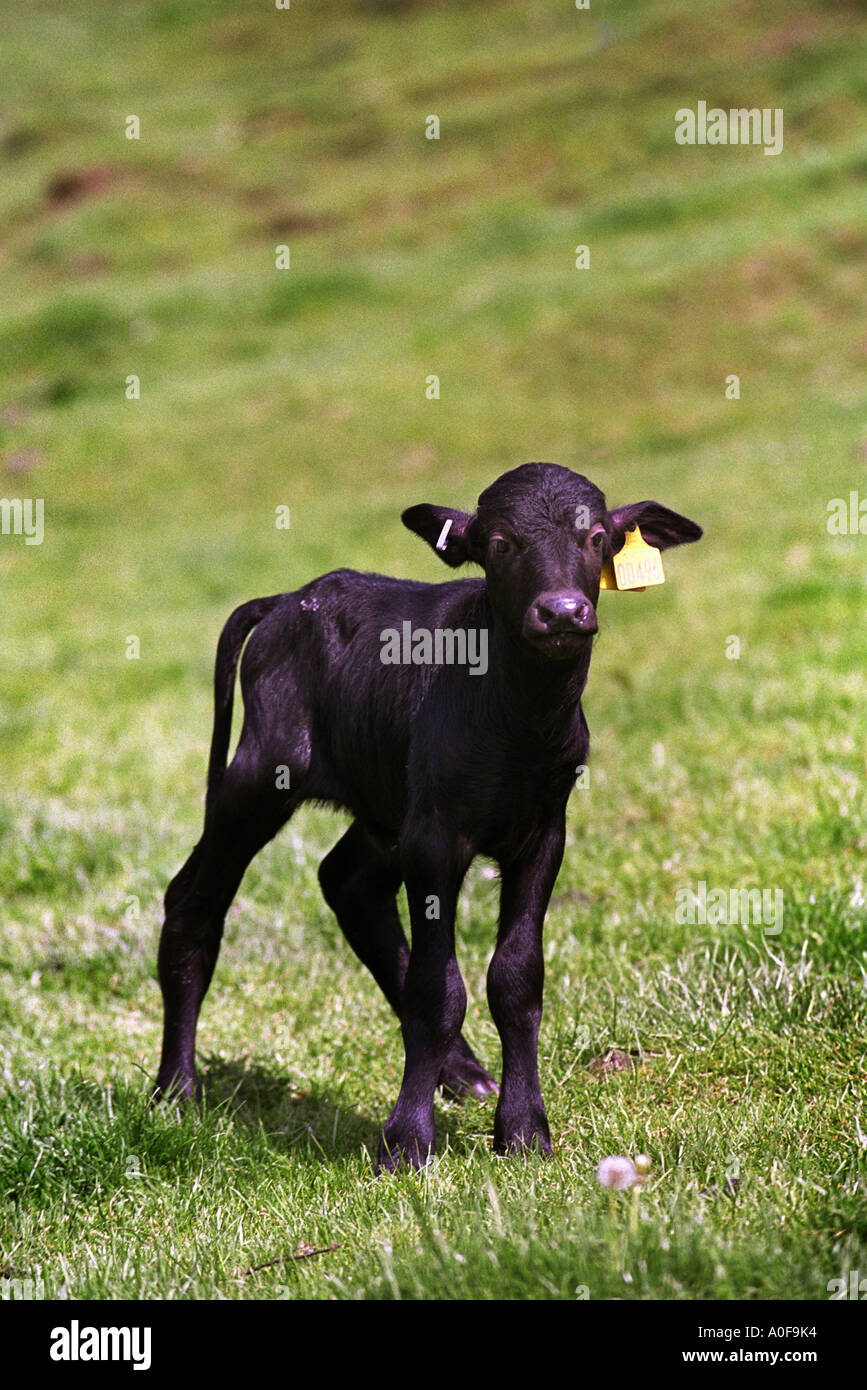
<point x="617" y="1172"/>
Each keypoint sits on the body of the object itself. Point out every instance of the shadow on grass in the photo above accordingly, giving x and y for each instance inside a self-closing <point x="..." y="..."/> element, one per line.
<point x="317" y="1122"/>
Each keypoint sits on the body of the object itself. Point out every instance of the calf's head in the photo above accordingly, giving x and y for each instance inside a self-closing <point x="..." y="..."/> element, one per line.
<point x="542" y="535"/>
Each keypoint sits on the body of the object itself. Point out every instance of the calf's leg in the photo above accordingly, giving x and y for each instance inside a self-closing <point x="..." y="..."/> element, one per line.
<point x="515" y="978"/>
<point x="434" y="998"/>
<point x="197" y="900"/>
<point x="360" y="881"/>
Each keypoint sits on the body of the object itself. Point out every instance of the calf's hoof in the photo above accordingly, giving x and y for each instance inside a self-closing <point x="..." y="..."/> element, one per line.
<point x="531" y="1137"/>
<point x="399" y="1149"/>
<point x="186" y="1090"/>
<point x="463" y="1075"/>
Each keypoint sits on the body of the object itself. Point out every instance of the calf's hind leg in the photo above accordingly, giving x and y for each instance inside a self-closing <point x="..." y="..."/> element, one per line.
<point x="359" y="882"/>
<point x="197" y="900"/>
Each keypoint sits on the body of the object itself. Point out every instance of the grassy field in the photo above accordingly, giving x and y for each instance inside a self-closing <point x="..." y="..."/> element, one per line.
<point x="306" y="387"/>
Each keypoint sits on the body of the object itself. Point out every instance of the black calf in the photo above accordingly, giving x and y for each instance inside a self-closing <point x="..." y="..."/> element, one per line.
<point x="447" y="719"/>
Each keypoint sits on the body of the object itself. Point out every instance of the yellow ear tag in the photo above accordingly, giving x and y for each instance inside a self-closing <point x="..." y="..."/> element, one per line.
<point x="636" y="566"/>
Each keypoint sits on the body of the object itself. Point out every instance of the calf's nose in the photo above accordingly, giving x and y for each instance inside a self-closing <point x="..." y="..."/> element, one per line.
<point x="562" y="610"/>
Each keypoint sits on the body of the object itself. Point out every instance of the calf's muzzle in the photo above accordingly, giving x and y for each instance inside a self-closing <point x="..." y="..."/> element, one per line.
<point x="560" y="613"/>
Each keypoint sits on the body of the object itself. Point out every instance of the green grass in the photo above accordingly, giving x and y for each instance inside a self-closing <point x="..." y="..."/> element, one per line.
<point x="306" y="387"/>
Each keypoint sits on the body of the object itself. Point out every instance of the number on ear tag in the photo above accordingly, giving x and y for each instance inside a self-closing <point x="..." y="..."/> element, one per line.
<point x="636" y="566"/>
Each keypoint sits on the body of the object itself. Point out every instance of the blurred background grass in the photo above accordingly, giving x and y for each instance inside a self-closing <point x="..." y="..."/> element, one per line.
<point x="305" y="388"/>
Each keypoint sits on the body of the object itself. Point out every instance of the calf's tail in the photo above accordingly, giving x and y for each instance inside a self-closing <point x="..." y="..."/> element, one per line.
<point x="232" y="639"/>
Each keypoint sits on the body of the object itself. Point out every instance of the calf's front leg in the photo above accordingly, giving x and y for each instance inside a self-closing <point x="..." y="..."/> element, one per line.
<point x="434" y="997"/>
<point x="515" y="979"/>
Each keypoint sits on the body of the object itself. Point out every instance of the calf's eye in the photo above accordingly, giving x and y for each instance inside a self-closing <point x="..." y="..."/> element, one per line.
<point x="501" y="547"/>
<point x="596" y="539"/>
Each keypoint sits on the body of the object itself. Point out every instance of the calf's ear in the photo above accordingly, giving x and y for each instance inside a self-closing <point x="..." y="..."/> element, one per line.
<point x="449" y="532"/>
<point x="659" y="526"/>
